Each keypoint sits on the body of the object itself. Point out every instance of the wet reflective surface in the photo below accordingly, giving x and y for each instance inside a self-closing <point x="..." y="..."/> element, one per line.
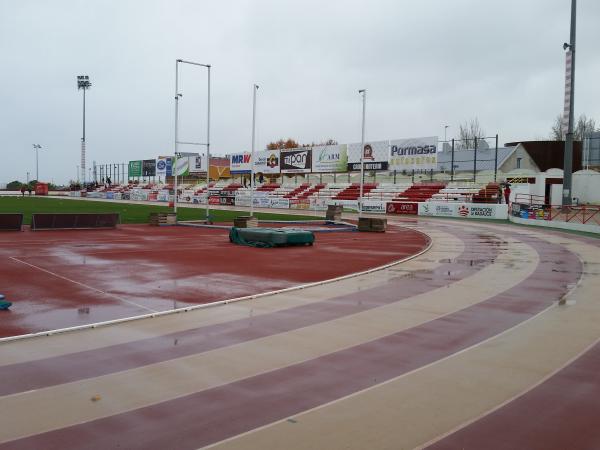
<point x="58" y="279"/>
<point x="339" y="363"/>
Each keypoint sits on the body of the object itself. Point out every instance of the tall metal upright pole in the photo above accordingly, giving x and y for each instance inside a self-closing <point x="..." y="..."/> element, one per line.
<point x="496" y="159"/>
<point x="208" y="147"/>
<point x="475" y="161"/>
<point x="176" y="135"/>
<point x="83" y="143"/>
<point x="452" y="163"/>
<point x="83" y="83"/>
<point x="254" y="89"/>
<point x="37" y="165"/>
<point x="362" y="152"/>
<point x="568" y="158"/>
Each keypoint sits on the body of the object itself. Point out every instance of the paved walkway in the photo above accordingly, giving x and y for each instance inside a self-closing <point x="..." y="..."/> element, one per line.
<point x="488" y="340"/>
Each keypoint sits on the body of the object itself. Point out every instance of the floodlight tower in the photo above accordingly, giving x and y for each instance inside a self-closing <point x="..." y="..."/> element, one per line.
<point x="37" y="147"/>
<point x="83" y="83"/>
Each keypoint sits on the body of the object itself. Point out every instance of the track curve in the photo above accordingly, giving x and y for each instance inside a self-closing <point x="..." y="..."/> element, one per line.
<point x="445" y="350"/>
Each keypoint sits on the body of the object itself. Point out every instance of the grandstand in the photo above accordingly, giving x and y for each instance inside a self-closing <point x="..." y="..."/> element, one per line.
<point x="305" y="195"/>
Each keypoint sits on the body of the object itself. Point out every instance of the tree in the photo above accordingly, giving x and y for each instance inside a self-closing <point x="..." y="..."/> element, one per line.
<point x="280" y="144"/>
<point x="291" y="143"/>
<point x="468" y="131"/>
<point x="14" y="185"/>
<point x="583" y="126"/>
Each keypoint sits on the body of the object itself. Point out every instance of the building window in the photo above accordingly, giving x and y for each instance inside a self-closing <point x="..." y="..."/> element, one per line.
<point x="519" y="163"/>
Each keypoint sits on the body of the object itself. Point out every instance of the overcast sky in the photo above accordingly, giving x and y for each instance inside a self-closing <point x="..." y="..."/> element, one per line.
<point x="425" y="64"/>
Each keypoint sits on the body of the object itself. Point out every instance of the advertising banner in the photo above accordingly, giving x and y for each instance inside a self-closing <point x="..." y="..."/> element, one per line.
<point x="134" y="169"/>
<point x="183" y="166"/>
<point x="149" y="168"/>
<point x="375" y="157"/>
<point x="240" y="163"/>
<point x="402" y="208"/>
<point x="299" y="203"/>
<point x="470" y="210"/>
<point x="438" y="209"/>
<point x="161" y="166"/>
<point x="330" y="158"/>
<point x="283" y="203"/>
<point x="296" y="160"/>
<point x="197" y="164"/>
<point x="417" y="154"/>
<point x="374" y="206"/>
<point x="266" y="162"/>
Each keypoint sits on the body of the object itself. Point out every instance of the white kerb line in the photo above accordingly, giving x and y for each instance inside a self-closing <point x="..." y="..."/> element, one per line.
<point x="83" y="284"/>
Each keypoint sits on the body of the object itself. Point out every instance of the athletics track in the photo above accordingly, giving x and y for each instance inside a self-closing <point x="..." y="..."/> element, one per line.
<point x="489" y="340"/>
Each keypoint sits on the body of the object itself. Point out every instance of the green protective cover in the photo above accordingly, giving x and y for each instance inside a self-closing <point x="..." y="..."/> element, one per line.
<point x="271" y="237"/>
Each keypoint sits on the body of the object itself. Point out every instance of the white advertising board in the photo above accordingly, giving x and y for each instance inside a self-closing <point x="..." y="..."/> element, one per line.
<point x="376" y="155"/>
<point x="467" y="210"/>
<point x="266" y="162"/>
<point x="197" y="164"/>
<point x="280" y="203"/>
<point x="374" y="206"/>
<point x="416" y="153"/>
<point x="330" y="158"/>
<point x="240" y="163"/>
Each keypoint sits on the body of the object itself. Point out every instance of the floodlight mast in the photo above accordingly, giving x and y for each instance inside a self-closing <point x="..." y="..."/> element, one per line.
<point x="36" y="147"/>
<point x="83" y="83"/>
<point x="178" y="95"/>
<point x="567" y="196"/>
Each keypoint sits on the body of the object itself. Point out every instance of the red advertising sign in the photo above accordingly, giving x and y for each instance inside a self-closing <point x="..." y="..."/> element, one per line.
<point x="214" y="200"/>
<point x="402" y="208"/>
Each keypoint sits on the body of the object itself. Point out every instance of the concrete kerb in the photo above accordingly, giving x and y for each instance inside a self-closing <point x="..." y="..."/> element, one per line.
<point x="220" y="302"/>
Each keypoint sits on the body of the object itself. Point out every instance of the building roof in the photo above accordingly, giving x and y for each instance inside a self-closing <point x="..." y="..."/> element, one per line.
<point x="550" y="154"/>
<point x="463" y="159"/>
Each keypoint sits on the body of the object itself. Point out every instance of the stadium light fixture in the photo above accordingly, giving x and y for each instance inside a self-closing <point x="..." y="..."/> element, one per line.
<point x="83" y="84"/>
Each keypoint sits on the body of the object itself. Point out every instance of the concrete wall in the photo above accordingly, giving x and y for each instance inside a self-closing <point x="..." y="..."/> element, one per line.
<point x="586" y="186"/>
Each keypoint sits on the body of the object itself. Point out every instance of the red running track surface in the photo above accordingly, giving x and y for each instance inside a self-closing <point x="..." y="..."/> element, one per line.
<point x="59" y="279"/>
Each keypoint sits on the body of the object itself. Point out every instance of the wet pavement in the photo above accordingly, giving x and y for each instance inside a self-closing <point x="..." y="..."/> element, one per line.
<point x="450" y="349"/>
<point x="59" y="279"/>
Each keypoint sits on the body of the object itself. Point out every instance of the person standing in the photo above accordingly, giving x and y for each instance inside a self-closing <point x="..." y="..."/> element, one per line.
<point x="507" y="193"/>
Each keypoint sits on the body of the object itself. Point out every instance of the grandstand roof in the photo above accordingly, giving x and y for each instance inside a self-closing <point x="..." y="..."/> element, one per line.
<point x="463" y="159"/>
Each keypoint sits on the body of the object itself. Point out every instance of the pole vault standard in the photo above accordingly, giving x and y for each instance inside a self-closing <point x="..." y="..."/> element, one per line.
<point x="178" y="95"/>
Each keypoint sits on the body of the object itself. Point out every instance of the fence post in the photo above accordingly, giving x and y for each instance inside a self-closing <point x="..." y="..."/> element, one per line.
<point x="394" y="176"/>
<point x="496" y="159"/>
<point x="452" y="163"/>
<point x="413" y="176"/>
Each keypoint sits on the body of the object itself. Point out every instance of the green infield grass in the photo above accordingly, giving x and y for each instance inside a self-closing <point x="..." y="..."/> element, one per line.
<point x="129" y="212"/>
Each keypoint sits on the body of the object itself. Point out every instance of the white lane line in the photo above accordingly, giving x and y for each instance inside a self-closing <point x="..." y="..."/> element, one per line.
<point x="83" y="285"/>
